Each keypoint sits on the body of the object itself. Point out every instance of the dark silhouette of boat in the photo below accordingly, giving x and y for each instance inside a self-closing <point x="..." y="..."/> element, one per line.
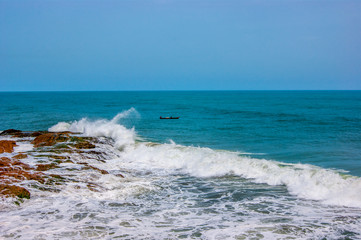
<point x="168" y="117"/>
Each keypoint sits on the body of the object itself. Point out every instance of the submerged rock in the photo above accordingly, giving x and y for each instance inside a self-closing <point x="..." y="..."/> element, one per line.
<point x="88" y="166"/>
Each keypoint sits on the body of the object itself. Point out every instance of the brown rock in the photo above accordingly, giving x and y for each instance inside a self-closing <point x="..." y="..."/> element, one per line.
<point x="14" y="191"/>
<point x="16" y="133"/>
<point x="94" y="168"/>
<point x="84" y="145"/>
<point x="5" y="162"/>
<point x="20" y="156"/>
<point x="12" y="164"/>
<point x="98" y="169"/>
<point x="49" y="139"/>
<point x="95" y="152"/>
<point x="45" y="167"/>
<point x="59" y="157"/>
<point x="93" y="187"/>
<point x="15" y="171"/>
<point x="22" y="175"/>
<point x="119" y="175"/>
<point x="57" y="176"/>
<point x="35" y="134"/>
<point x="7" y="146"/>
<point x="10" y="132"/>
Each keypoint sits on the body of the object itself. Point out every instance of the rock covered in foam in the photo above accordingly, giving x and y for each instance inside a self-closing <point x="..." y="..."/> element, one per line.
<point x="54" y="153"/>
<point x="13" y="170"/>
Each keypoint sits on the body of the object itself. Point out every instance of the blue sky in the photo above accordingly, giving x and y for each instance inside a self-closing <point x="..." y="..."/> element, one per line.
<point x="62" y="45"/>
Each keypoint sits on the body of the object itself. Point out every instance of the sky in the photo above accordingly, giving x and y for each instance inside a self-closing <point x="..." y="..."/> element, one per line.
<point x="97" y="45"/>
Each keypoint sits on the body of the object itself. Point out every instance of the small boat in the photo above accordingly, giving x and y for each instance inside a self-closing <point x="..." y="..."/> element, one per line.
<point x="168" y="117"/>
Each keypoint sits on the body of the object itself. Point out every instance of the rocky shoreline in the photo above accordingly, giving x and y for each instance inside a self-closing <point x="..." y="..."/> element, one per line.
<point x="23" y="169"/>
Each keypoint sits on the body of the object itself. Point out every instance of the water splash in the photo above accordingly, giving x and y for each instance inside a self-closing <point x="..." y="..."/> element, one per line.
<point x="122" y="136"/>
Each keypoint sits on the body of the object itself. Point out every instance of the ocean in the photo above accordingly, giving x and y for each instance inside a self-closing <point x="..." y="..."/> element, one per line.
<point x="235" y="165"/>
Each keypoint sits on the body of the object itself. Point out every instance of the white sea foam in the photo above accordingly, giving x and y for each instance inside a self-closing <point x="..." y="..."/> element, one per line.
<point x="23" y="147"/>
<point x="102" y="128"/>
<point x="303" y="180"/>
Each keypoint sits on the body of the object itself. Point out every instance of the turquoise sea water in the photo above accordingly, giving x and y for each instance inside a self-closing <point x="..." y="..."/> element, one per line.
<point x="235" y="165"/>
<point x="316" y="127"/>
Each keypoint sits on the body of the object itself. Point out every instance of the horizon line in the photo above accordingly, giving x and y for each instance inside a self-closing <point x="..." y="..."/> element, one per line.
<point x="191" y="90"/>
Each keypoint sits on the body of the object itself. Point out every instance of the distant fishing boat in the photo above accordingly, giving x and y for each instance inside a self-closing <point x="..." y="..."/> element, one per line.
<point x="168" y="117"/>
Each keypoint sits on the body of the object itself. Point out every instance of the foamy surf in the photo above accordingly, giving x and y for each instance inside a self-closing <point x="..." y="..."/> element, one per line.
<point x="129" y="189"/>
<point x="102" y="128"/>
<point x="305" y="181"/>
<point x="302" y="180"/>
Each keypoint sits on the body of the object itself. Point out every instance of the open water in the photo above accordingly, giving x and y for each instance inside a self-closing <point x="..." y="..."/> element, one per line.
<point x="236" y="165"/>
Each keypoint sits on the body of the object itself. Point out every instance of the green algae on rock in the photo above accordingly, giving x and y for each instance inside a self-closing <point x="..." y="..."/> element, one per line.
<point x="14" y="191"/>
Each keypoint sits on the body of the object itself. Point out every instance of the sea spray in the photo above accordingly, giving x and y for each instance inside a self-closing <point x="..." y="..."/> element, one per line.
<point x="126" y="114"/>
<point x="102" y="128"/>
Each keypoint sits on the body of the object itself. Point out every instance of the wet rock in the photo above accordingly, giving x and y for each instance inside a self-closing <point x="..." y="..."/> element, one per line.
<point x="15" y="171"/>
<point x="58" y="157"/>
<point x="95" y="152"/>
<point x="35" y="134"/>
<point x="20" y="134"/>
<point x="21" y="175"/>
<point x="7" y="163"/>
<point x="56" y="176"/>
<point x="84" y="145"/>
<point x="49" y="139"/>
<point x="4" y="162"/>
<point x="97" y="169"/>
<point x="10" y="132"/>
<point x="94" y="168"/>
<point x="51" y="149"/>
<point x="45" y="167"/>
<point x="7" y="146"/>
<point x="94" y="187"/>
<point x="20" y="156"/>
<point x="61" y="146"/>
<point x="14" y="191"/>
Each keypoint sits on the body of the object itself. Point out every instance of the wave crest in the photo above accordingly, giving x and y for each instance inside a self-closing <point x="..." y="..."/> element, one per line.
<point x="303" y="180"/>
<point x="102" y="128"/>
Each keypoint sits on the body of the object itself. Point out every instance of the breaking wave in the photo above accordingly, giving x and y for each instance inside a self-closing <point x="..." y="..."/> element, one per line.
<point x="303" y="180"/>
<point x="102" y="128"/>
